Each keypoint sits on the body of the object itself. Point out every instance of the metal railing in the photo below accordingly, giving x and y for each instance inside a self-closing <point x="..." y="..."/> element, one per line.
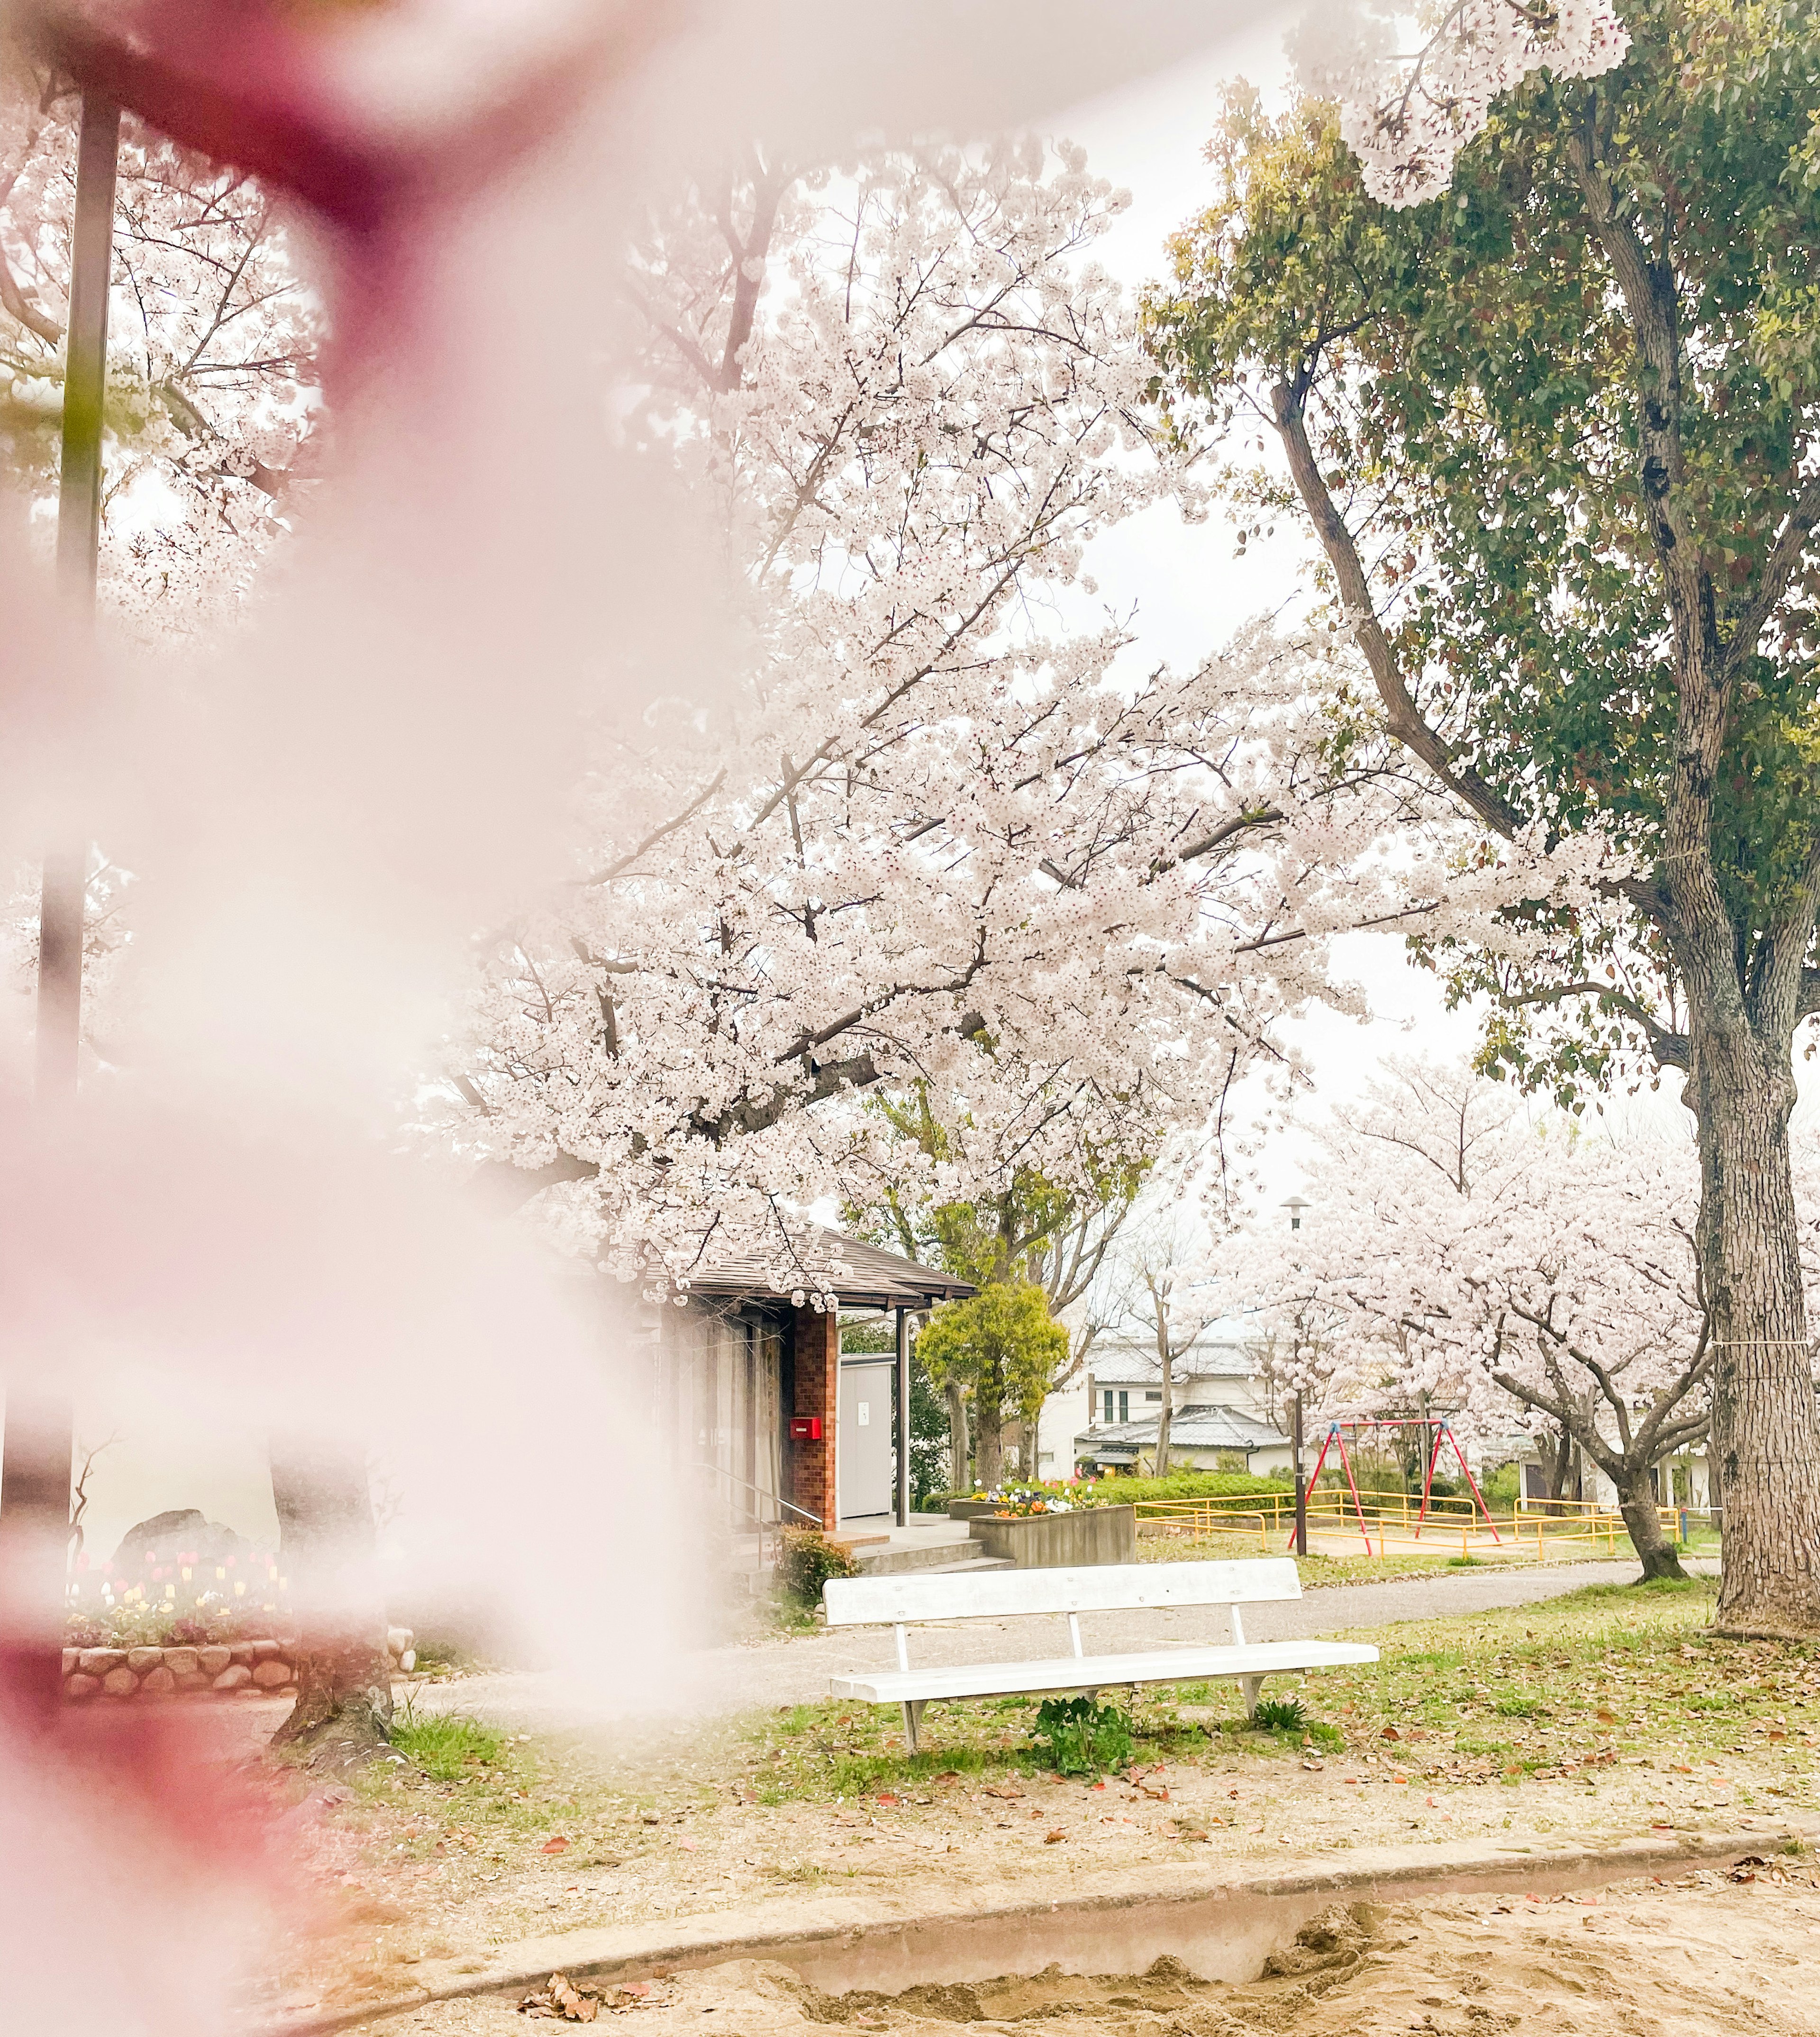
<point x="1534" y="1531"/>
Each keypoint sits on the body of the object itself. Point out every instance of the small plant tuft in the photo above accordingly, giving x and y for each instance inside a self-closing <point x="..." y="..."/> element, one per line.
<point x="1280" y="1715"/>
<point x="446" y="1746"/>
<point x="1076" y="1737"/>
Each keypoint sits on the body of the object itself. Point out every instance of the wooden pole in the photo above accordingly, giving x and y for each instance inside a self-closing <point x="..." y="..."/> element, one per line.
<point x="903" y="1418"/>
<point x="34" y="1459"/>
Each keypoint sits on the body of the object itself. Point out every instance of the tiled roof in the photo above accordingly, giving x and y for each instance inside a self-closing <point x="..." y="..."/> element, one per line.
<point x="1133" y="1364"/>
<point x="874" y="1278"/>
<point x="1194" y="1428"/>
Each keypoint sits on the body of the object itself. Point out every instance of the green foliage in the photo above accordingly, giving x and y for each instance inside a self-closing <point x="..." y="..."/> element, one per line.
<point x="1280" y="1715"/>
<point x="1121" y="1491"/>
<point x="1477" y="404"/>
<point x="1002" y="1345"/>
<point x="807" y="1562"/>
<point x="446" y="1746"/>
<point x="1076" y="1737"/>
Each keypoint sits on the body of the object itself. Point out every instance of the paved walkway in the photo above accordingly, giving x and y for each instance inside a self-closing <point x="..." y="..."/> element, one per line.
<point x="794" y="1669"/>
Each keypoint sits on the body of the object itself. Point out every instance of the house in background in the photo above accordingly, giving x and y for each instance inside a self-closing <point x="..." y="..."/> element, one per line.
<point x="1221" y="1421"/>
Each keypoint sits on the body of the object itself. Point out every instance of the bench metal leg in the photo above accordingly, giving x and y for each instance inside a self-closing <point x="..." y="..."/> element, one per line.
<point x="912" y="1718"/>
<point x="1250" y="1689"/>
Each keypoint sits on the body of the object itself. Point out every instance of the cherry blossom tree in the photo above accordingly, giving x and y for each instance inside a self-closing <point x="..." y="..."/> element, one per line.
<point x="1467" y="1256"/>
<point x="212" y="378"/>
<point x="935" y="837"/>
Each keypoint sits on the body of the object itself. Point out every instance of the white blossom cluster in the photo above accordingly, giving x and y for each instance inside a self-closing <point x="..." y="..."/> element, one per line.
<point x="1458" y="1253"/>
<point x="933" y="832"/>
<point x="1406" y="114"/>
<point x="213" y="341"/>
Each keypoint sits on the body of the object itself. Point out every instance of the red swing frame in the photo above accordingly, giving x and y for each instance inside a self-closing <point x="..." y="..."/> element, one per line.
<point x="1336" y="1434"/>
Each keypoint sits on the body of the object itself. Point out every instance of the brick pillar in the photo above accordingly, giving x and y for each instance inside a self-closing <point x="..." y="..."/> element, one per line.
<point x="815" y="1344"/>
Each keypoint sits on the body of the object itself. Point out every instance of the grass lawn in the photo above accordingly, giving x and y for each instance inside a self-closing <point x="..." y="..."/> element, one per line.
<point x="1605" y="1712"/>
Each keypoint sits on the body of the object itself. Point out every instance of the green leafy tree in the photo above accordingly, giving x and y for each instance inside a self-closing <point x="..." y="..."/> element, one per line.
<point x="1556" y="433"/>
<point x="1005" y="1348"/>
<point x="1022" y="1228"/>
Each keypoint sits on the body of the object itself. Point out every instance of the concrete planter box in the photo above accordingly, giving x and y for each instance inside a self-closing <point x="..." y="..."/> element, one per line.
<point x="1059" y="1541"/>
<point x="970" y="1509"/>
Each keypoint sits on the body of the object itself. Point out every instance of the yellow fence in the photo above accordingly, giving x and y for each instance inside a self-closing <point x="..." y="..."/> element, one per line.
<point x="1539" y="1531"/>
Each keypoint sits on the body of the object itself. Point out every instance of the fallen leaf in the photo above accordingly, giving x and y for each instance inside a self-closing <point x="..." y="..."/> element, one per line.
<point x="1190" y="1837"/>
<point x="1316" y="1767"/>
<point x="1390" y="1732"/>
<point x="562" y="2001"/>
<point x="1605" y="1717"/>
<point x="886" y="1797"/>
<point x="555" y="1845"/>
<point x="1055" y="1838"/>
<point x="1007" y="1792"/>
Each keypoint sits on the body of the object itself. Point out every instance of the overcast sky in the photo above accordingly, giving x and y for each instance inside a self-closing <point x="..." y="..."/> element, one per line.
<point x="1190" y="591"/>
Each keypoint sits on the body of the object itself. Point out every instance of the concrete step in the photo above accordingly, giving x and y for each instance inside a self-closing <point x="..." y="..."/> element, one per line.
<point x="888" y="1560"/>
<point x="971" y="1564"/>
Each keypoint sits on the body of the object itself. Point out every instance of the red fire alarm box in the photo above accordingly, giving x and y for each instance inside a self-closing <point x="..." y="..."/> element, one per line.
<point x="806" y="1428"/>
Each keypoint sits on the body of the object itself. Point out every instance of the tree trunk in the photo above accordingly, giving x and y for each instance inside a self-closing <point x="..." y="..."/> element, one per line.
<point x="989" y="1443"/>
<point x="958" y="1450"/>
<point x="1637" y="1502"/>
<point x="344" y="1708"/>
<point x="1166" y="1416"/>
<point x="1764" y="1446"/>
<point x="1561" y="1460"/>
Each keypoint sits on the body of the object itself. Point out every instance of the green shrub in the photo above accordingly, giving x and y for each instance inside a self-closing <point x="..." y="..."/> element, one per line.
<point x="1115" y="1490"/>
<point x="1076" y="1737"/>
<point x="809" y="1560"/>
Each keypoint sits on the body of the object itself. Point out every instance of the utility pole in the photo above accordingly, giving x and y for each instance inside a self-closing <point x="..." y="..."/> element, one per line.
<point x="1301" y="1484"/>
<point x="35" y="1461"/>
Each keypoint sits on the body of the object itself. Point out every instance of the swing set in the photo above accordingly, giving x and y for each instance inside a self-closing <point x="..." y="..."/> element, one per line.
<point x="1336" y="1438"/>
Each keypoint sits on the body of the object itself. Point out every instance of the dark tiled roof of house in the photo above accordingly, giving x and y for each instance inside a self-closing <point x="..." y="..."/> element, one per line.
<point x="874" y="1278"/>
<point x="1193" y="1428"/>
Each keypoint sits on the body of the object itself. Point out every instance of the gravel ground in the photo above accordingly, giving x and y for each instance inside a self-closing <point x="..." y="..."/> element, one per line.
<point x="795" y="1668"/>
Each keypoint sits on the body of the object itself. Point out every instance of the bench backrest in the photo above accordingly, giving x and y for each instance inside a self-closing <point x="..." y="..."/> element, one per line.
<point x="904" y="1599"/>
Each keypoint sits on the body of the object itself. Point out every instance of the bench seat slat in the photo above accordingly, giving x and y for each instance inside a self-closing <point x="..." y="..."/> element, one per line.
<point x="907" y="1598"/>
<point x="1088" y="1672"/>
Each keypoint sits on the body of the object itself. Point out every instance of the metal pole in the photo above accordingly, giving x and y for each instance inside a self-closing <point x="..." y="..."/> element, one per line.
<point x="34" y="1459"/>
<point x="903" y="1418"/>
<point x="1301" y="1486"/>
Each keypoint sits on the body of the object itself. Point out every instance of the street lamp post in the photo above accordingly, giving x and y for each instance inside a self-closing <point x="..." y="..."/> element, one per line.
<point x="1295" y="1205"/>
<point x="34" y="1459"/>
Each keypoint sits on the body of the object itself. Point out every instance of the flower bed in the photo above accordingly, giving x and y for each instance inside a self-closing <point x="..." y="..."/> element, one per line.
<point x="249" y="1668"/>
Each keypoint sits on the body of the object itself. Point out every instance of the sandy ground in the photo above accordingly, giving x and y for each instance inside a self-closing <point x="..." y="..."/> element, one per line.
<point x="671" y="1838"/>
<point x="1711" y="1952"/>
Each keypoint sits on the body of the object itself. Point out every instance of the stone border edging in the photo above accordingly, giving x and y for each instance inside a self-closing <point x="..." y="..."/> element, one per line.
<point x="839" y="1944"/>
<point x="255" y="1669"/>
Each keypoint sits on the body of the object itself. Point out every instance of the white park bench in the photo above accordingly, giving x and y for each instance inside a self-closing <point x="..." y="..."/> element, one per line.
<point x="906" y="1601"/>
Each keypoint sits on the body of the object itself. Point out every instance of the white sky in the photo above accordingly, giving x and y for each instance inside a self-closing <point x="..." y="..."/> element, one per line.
<point x="1190" y="590"/>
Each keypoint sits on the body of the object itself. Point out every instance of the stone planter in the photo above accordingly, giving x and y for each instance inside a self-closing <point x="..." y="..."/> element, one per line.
<point x="259" y="1669"/>
<point x="1059" y="1541"/>
<point x="970" y="1509"/>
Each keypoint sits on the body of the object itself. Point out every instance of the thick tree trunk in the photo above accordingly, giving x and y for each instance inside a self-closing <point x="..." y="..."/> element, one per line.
<point x="958" y="1449"/>
<point x="344" y="1708"/>
<point x="1637" y="1502"/>
<point x="1764" y="1446"/>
